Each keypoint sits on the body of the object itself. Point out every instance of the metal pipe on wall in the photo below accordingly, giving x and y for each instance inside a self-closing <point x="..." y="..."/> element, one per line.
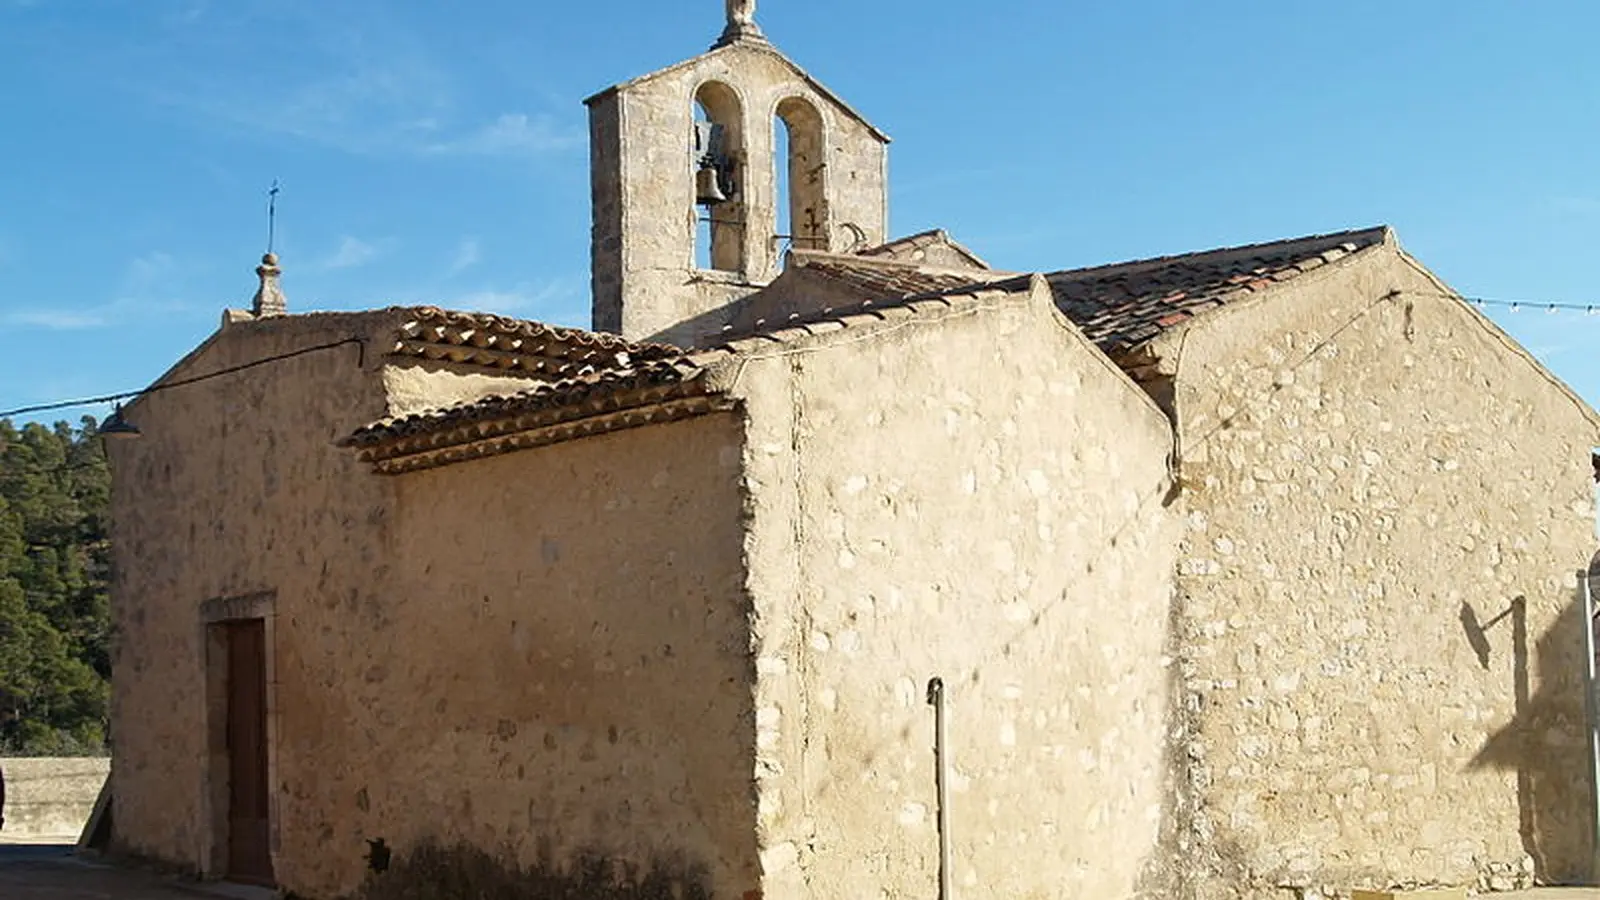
<point x="941" y="765"/>
<point x="1592" y="705"/>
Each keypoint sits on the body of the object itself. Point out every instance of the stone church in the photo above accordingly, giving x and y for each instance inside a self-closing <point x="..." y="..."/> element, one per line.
<point x="834" y="564"/>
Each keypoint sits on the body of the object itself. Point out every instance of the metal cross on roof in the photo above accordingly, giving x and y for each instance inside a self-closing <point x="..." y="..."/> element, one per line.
<point x="272" y="214"/>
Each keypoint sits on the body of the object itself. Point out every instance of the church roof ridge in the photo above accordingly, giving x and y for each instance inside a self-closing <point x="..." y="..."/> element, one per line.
<point x="1121" y="306"/>
<point x="604" y="399"/>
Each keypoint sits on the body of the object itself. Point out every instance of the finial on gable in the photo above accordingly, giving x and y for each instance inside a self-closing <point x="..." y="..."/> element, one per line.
<point x="269" y="299"/>
<point x="742" y="25"/>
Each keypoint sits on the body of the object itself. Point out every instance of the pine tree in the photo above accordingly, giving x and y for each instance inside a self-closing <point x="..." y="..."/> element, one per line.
<point x="54" y="574"/>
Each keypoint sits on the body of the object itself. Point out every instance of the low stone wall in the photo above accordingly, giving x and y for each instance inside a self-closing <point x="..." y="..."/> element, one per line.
<point x="50" y="798"/>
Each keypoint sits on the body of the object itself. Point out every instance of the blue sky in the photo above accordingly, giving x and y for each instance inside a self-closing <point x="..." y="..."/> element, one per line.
<point x="436" y="153"/>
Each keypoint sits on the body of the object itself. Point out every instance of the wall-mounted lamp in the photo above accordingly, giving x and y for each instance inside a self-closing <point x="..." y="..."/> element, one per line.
<point x="116" y="427"/>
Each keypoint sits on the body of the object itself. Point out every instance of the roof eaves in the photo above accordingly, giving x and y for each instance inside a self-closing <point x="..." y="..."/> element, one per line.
<point x="861" y="318"/>
<point x="548" y="413"/>
<point x="1126" y="323"/>
<point x="1361" y="236"/>
<point x="516" y="346"/>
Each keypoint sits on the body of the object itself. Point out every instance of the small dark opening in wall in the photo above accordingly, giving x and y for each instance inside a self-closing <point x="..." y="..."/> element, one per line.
<point x="1594" y="459"/>
<point x="378" y="855"/>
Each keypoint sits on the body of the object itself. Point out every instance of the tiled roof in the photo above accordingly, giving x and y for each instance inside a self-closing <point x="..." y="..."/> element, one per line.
<point x="543" y="396"/>
<point x="1122" y="306"/>
<point x="596" y="402"/>
<point x="601" y="400"/>
<point x="886" y="279"/>
<point x="517" y="345"/>
<point x="861" y="314"/>
<point x="606" y="383"/>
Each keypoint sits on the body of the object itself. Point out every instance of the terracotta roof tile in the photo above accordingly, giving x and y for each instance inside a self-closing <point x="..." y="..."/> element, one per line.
<point x="1118" y="307"/>
<point x="569" y="392"/>
<point x="889" y="281"/>
<point x="508" y="344"/>
<point x="1124" y="305"/>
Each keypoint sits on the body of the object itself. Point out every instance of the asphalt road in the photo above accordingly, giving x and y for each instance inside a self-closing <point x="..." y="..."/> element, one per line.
<point x="49" y="872"/>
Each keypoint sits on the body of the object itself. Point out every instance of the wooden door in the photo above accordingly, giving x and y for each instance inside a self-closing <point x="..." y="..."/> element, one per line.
<point x="249" y="852"/>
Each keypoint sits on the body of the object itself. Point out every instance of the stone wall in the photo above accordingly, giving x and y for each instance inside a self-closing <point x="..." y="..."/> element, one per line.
<point x="558" y="674"/>
<point x="416" y="385"/>
<point x="647" y="284"/>
<point x="978" y="496"/>
<point x="235" y="497"/>
<point x="1387" y="504"/>
<point x="537" y="660"/>
<point x="50" y="798"/>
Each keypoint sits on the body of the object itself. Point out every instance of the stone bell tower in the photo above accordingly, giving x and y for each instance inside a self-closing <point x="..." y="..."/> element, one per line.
<point x="687" y="193"/>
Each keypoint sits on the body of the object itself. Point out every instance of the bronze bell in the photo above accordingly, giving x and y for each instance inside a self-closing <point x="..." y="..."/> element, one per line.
<point x="708" y="187"/>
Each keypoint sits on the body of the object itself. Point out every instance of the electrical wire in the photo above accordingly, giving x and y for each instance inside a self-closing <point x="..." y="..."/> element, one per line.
<point x="180" y="382"/>
<point x="1589" y="309"/>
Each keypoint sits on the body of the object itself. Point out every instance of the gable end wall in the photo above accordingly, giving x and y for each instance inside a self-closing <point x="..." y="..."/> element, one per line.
<point x="976" y="496"/>
<point x="1368" y="481"/>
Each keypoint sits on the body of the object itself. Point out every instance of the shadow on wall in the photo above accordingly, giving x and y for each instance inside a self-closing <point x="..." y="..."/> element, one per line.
<point x="1546" y="741"/>
<point x="434" y="871"/>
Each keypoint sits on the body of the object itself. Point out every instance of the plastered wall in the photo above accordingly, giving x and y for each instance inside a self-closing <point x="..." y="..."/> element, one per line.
<point x="559" y="673"/>
<point x="416" y="385"/>
<point x="1387" y="503"/>
<point x="977" y="496"/>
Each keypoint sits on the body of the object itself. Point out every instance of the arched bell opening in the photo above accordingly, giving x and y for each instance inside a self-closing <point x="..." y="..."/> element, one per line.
<point x="801" y="175"/>
<point x="717" y="161"/>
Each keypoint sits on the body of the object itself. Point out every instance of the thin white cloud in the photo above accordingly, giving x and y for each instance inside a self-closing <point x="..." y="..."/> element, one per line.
<point x="186" y="12"/>
<point x="512" y="134"/>
<point x="352" y="252"/>
<point x="364" y="84"/>
<point x="468" y="254"/>
<point x="104" y="315"/>
<point x="379" y="112"/>
<point x="1576" y="205"/>
<point x="149" y="271"/>
<point x="559" y="300"/>
<point x="149" y="284"/>
<point x="58" y="319"/>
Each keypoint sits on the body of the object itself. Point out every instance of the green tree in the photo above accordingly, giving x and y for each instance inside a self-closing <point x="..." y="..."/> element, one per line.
<point x="54" y="572"/>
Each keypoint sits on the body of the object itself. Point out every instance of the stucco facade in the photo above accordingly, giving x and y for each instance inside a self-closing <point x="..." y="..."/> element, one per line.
<point x="1247" y="573"/>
